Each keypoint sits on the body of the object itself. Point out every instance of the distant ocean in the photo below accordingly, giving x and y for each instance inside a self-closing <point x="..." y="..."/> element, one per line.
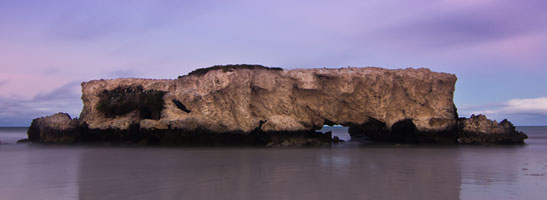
<point x="349" y="170"/>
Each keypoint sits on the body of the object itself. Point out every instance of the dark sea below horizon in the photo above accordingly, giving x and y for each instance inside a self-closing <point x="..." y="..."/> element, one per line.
<point x="349" y="170"/>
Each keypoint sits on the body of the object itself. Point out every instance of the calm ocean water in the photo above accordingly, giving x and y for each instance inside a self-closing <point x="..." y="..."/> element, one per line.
<point x="349" y="170"/>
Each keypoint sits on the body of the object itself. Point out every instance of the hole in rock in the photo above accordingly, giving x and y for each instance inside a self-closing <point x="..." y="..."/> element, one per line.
<point x="181" y="106"/>
<point x="404" y="130"/>
<point x="373" y="129"/>
<point x="337" y="130"/>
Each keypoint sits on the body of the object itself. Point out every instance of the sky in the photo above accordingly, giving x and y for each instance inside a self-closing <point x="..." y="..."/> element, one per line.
<point x="496" y="48"/>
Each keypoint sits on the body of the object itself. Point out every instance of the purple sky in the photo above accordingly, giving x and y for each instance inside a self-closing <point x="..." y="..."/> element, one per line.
<point x="497" y="48"/>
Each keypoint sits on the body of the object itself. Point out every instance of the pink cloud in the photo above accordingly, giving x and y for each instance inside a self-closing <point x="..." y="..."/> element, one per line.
<point x="26" y="86"/>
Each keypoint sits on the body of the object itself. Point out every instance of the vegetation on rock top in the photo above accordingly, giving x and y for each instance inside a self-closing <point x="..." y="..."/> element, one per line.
<point x="226" y="68"/>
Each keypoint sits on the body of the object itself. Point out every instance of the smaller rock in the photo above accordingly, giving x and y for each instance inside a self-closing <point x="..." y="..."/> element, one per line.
<point x="58" y="129"/>
<point x="480" y="130"/>
<point x="336" y="139"/>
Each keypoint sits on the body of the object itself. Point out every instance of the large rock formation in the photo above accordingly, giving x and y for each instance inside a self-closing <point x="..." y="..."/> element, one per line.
<point x="256" y="104"/>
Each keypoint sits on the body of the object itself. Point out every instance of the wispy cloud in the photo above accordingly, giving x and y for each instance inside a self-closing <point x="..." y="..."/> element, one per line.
<point x="446" y="26"/>
<point x="68" y="91"/>
<point x="19" y="112"/>
<point x="532" y="106"/>
<point x="527" y="111"/>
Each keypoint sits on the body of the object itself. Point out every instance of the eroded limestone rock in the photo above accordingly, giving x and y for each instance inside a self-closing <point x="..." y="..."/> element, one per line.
<point x="304" y="99"/>
<point x="252" y="102"/>
<point x="475" y="130"/>
<point x="480" y="130"/>
<point x="54" y="129"/>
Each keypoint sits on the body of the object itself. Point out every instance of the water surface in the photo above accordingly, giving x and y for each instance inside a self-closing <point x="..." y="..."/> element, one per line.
<point x="349" y="170"/>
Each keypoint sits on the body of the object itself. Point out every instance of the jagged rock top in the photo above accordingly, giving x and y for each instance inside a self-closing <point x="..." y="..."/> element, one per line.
<point x="58" y="121"/>
<point x="480" y="124"/>
<point x="242" y="99"/>
<point x="42" y="129"/>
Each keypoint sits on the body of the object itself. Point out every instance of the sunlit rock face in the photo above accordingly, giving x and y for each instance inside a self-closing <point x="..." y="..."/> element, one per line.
<point x="253" y="100"/>
<point x="283" y="100"/>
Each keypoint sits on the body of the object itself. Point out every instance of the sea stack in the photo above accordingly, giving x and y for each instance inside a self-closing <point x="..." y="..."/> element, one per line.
<point x="253" y="104"/>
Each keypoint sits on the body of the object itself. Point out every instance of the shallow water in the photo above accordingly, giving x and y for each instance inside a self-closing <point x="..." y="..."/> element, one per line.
<point x="349" y="170"/>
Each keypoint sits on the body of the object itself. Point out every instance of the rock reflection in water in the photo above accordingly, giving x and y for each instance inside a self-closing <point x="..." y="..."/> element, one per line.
<point x="348" y="170"/>
<point x="269" y="174"/>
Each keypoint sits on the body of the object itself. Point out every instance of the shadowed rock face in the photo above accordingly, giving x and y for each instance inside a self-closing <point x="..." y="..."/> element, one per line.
<point x="480" y="130"/>
<point x="123" y="100"/>
<point x="409" y="105"/>
<point x="475" y="130"/>
<point x="54" y="129"/>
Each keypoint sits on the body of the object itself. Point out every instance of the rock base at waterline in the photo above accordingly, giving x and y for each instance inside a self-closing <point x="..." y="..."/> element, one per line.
<point x="475" y="130"/>
<point x="61" y="129"/>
